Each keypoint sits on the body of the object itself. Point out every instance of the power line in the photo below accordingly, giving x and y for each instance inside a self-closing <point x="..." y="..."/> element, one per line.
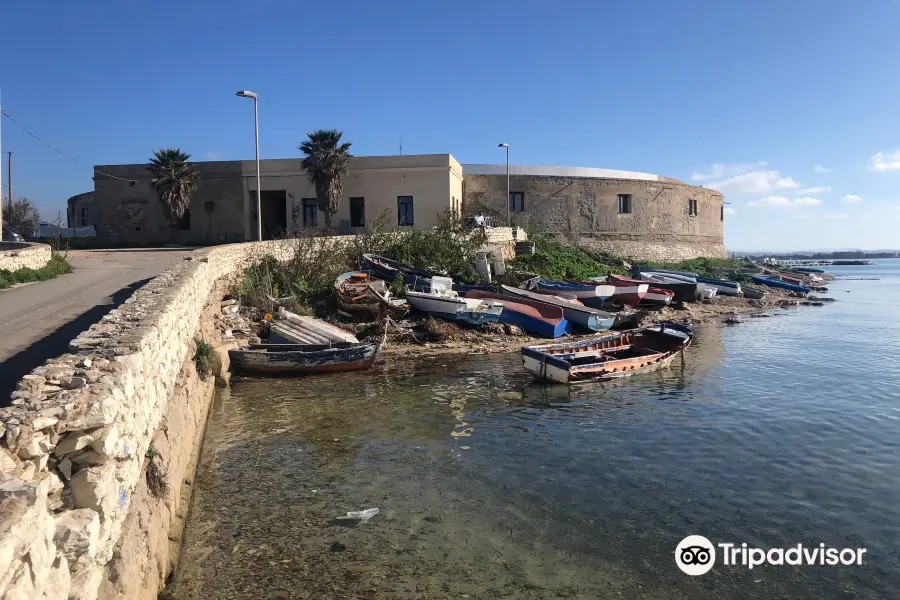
<point x="52" y="147"/>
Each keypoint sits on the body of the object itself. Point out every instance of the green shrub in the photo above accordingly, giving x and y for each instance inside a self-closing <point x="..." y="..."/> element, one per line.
<point x="57" y="265"/>
<point x="206" y="359"/>
<point x="558" y="261"/>
<point x="705" y="267"/>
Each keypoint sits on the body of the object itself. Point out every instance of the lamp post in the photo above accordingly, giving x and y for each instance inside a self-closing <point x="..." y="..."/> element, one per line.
<point x="508" y="222"/>
<point x="249" y="94"/>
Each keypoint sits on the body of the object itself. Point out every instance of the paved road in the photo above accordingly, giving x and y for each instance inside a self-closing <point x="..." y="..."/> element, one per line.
<point x="37" y="321"/>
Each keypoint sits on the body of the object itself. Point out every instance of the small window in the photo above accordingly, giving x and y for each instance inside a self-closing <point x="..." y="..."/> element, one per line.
<point x="310" y="212"/>
<point x="184" y="223"/>
<point x="624" y="203"/>
<point x="357" y="212"/>
<point x="84" y="215"/>
<point x="405" y="211"/>
<point x="722" y="213"/>
<point x="516" y="201"/>
<point x="692" y="208"/>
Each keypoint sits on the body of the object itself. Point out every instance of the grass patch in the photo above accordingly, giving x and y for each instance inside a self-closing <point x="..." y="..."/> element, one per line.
<point x="206" y="359"/>
<point x="558" y="261"/>
<point x="58" y="265"/>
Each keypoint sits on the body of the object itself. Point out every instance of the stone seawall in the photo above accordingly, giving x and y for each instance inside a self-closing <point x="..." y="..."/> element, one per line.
<point x="76" y="440"/>
<point x="80" y="517"/>
<point x="20" y="255"/>
<point x="657" y="250"/>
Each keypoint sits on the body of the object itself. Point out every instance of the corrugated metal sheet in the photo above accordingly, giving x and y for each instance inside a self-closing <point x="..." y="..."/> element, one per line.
<point x="298" y="329"/>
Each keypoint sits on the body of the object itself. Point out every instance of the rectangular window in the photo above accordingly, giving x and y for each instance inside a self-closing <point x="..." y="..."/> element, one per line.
<point x="405" y="211"/>
<point x="624" y="203"/>
<point x="692" y="208"/>
<point x="84" y="220"/>
<point x="184" y="223"/>
<point x="722" y="213"/>
<point x="357" y="212"/>
<point x="310" y="212"/>
<point x="516" y="201"/>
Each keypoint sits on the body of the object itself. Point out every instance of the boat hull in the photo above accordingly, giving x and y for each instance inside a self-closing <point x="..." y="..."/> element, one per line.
<point x="589" y="294"/>
<point x="453" y="308"/>
<point x="609" y="357"/>
<point x="540" y="319"/>
<point x="684" y="291"/>
<point x="583" y="316"/>
<point x="772" y="282"/>
<point x="299" y="359"/>
<point x="753" y="293"/>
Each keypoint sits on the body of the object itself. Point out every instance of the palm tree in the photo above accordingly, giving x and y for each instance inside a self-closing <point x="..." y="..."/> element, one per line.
<point x="327" y="162"/>
<point x="175" y="179"/>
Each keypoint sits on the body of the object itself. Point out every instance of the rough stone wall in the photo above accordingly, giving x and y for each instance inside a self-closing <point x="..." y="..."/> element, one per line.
<point x="76" y="438"/>
<point x="19" y="255"/>
<point x="77" y="519"/>
<point x="584" y="210"/>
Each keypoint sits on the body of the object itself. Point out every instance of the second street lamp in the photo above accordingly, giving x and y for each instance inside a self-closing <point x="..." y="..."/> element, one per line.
<point x="249" y="94"/>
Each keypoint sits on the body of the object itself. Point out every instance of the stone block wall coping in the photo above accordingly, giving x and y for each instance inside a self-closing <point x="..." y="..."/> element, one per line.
<point x="18" y="255"/>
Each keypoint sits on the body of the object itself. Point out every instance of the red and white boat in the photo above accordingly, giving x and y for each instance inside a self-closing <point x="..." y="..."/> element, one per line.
<point x="623" y="292"/>
<point x="654" y="295"/>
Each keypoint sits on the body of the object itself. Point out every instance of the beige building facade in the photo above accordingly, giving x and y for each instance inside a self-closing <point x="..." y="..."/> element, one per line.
<point x="397" y="191"/>
<point x="627" y="213"/>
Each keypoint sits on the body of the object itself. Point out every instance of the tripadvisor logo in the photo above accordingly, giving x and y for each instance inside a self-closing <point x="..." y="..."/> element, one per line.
<point x="696" y="555"/>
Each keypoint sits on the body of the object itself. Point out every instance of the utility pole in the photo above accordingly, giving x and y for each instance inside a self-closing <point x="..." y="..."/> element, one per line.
<point x="9" y="180"/>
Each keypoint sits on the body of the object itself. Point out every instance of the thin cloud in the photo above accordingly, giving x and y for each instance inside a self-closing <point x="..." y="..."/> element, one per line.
<point x="213" y="155"/>
<point x="731" y="211"/>
<point x="720" y="170"/>
<point x="784" y="202"/>
<point x="821" y="169"/>
<point x="851" y="198"/>
<point x="755" y="182"/>
<point x="865" y="215"/>
<point x="837" y="216"/>
<point x="822" y="189"/>
<point x="885" y="161"/>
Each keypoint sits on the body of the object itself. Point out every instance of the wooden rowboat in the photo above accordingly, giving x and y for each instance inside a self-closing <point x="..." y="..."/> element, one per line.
<point x="303" y="359"/>
<point x="608" y="357"/>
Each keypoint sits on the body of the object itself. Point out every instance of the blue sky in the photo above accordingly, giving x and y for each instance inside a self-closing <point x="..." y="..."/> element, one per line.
<point x="791" y="108"/>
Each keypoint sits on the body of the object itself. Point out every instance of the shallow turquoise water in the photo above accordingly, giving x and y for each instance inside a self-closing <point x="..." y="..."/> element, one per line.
<point x="779" y="431"/>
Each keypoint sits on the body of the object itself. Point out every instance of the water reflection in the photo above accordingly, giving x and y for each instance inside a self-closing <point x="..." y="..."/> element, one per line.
<point x="492" y="486"/>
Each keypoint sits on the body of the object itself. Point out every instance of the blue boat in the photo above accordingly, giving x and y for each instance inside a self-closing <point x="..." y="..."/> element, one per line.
<point x="583" y="316"/>
<point x="772" y="282"/>
<point x="419" y="280"/>
<point x="534" y="317"/>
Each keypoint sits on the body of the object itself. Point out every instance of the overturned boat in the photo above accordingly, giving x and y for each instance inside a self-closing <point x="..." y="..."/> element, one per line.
<point x="534" y="317"/>
<point x="608" y="357"/>
<point x="584" y="316"/>
<point x="302" y="359"/>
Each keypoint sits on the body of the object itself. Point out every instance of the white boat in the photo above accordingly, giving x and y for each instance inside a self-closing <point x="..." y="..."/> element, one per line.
<point x="449" y="305"/>
<point x="708" y="292"/>
<point x="729" y="288"/>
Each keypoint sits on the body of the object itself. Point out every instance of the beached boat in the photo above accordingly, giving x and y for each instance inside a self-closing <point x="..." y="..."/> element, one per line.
<point x="636" y="270"/>
<point x="608" y="357"/>
<point x="654" y="295"/>
<point x="684" y="291"/>
<point x="752" y="292"/>
<point x="447" y="304"/>
<point x="583" y="316"/>
<point x="534" y="317"/>
<point x="627" y="292"/>
<point x="588" y="293"/>
<point x="808" y="270"/>
<point x="358" y="293"/>
<point x="722" y="286"/>
<point x="773" y="282"/>
<point x="708" y="292"/>
<point x="303" y="359"/>
<point x="290" y="328"/>
<point x="387" y="269"/>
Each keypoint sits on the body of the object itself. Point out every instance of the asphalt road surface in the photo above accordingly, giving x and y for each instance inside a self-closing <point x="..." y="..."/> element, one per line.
<point x="38" y="320"/>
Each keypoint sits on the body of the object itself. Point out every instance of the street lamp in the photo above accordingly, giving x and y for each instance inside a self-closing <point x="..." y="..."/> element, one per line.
<point x="508" y="223"/>
<point x="249" y="94"/>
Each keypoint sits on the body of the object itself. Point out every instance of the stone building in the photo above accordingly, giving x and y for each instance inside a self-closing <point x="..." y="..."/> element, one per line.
<point x="403" y="191"/>
<point x="627" y="213"/>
